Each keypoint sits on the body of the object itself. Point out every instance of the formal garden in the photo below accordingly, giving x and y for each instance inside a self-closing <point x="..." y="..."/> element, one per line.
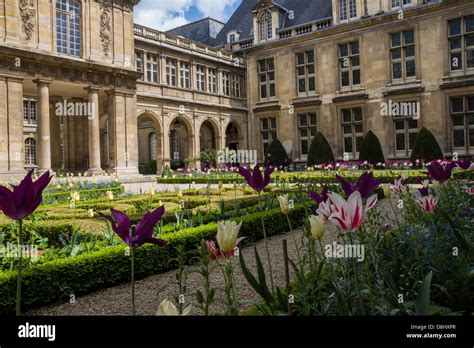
<point x="371" y="237"/>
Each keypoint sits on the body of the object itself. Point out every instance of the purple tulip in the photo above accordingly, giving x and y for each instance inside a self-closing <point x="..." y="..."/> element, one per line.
<point x="464" y="163"/>
<point x="319" y="198"/>
<point x="25" y="198"/>
<point x="424" y="191"/>
<point x="255" y="180"/>
<point x="143" y="232"/>
<point x="439" y="172"/>
<point x="365" y="185"/>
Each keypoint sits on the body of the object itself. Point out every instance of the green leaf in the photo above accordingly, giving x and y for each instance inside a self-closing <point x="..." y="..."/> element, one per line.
<point x="422" y="303"/>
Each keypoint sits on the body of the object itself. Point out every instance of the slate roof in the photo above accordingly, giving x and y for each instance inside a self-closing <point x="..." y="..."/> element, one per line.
<point x="305" y="11"/>
<point x="204" y="31"/>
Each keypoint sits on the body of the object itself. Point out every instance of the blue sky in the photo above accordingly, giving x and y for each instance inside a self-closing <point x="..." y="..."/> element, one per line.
<point x="168" y="14"/>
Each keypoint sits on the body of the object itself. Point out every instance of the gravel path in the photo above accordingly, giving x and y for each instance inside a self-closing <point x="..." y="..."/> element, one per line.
<point x="116" y="300"/>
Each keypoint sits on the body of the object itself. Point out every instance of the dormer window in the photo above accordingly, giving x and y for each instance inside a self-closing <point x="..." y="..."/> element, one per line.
<point x="399" y="3"/>
<point x="347" y="10"/>
<point x="265" y="27"/>
<point x="232" y="37"/>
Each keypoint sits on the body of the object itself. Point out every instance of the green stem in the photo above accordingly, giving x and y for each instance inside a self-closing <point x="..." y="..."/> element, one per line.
<point x="294" y="238"/>
<point x="132" y="250"/>
<point x="265" y="241"/>
<point x="20" y="261"/>
<point x="356" y="276"/>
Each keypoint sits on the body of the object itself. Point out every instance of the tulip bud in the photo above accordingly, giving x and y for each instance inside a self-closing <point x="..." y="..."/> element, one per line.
<point x="317" y="226"/>
<point x="284" y="204"/>
<point x="180" y="194"/>
<point x="387" y="191"/>
<point x="90" y="213"/>
<point x="227" y="233"/>
<point x="109" y="195"/>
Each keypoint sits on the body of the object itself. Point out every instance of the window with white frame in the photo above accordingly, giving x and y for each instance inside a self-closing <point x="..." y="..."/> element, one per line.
<point x="349" y="64"/>
<point x="174" y="142"/>
<point x="171" y="65"/>
<point x="462" y="115"/>
<point x="461" y="43"/>
<point x="184" y="75"/>
<point x="406" y="131"/>
<point x="268" y="130"/>
<point x="266" y="76"/>
<point x="153" y="143"/>
<point x="347" y="9"/>
<point x="226" y="83"/>
<point x="152" y="67"/>
<point x="68" y="27"/>
<point x="305" y="71"/>
<point x="236" y="86"/>
<point x="402" y="55"/>
<point x="201" y="78"/>
<point x="30" y="151"/>
<point x="398" y="3"/>
<point x="29" y="111"/>
<point x="139" y="61"/>
<point x="307" y="130"/>
<point x="352" y="131"/>
<point x="265" y="27"/>
<point x="212" y="76"/>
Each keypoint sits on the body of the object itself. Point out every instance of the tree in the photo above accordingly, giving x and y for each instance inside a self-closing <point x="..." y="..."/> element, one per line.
<point x="426" y="147"/>
<point x="371" y="150"/>
<point x="276" y="154"/>
<point x="320" y="151"/>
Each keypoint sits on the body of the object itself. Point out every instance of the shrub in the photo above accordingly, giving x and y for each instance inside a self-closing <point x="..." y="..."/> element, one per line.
<point x="58" y="279"/>
<point x="149" y="168"/>
<point x="65" y="197"/>
<point x="320" y="151"/>
<point x="371" y="150"/>
<point x="426" y="147"/>
<point x="276" y="153"/>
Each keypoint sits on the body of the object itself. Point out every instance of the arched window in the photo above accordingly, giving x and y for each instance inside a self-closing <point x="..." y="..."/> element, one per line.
<point x="153" y="143"/>
<point x="174" y="142"/>
<point x="265" y="28"/>
<point x="68" y="27"/>
<point x="30" y="151"/>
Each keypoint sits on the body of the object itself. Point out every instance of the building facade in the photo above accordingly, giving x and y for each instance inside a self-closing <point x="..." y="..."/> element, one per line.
<point x="84" y="89"/>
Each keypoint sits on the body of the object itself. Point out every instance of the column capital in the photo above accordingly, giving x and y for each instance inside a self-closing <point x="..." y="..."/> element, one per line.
<point x="92" y="89"/>
<point x="43" y="82"/>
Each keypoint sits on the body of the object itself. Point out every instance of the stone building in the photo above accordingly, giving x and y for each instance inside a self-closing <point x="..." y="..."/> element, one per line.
<point x="84" y="89"/>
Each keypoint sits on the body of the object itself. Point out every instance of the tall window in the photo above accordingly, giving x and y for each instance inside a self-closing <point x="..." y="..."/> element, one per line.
<point x="402" y="54"/>
<point x="349" y="64"/>
<point x="201" y="78"/>
<point x="232" y="38"/>
<point x="153" y="143"/>
<point x="226" y="83"/>
<point x="30" y="151"/>
<point x="406" y="130"/>
<point x="152" y="68"/>
<point x="352" y="131"/>
<point x="139" y="61"/>
<point x="461" y="43"/>
<point x="307" y="129"/>
<point x="184" y="75"/>
<point x="236" y="85"/>
<point x="398" y="3"/>
<point x="212" y="75"/>
<point x="266" y="74"/>
<point x="29" y="111"/>
<point x="462" y="114"/>
<point x="171" y="72"/>
<point x="347" y="9"/>
<point x="305" y="72"/>
<point x="265" y="27"/>
<point x="268" y="130"/>
<point x="174" y="142"/>
<point x="68" y="27"/>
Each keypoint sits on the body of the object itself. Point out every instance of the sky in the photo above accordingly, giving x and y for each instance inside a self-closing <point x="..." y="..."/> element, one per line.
<point x="168" y="14"/>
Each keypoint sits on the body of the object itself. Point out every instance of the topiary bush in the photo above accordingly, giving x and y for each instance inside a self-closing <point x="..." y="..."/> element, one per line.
<point x="149" y="168"/>
<point x="371" y="150"/>
<point x="426" y="147"/>
<point x="320" y="151"/>
<point x="276" y="154"/>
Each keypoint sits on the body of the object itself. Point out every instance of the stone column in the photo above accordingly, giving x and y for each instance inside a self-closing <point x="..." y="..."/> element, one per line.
<point x="195" y="144"/>
<point x="165" y="141"/>
<point x="44" y="131"/>
<point x="94" y="132"/>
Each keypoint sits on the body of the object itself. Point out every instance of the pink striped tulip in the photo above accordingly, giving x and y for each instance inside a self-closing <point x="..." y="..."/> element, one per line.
<point x="427" y="204"/>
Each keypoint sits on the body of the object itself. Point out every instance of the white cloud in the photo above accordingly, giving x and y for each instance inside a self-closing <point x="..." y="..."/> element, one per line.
<point x="165" y="15"/>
